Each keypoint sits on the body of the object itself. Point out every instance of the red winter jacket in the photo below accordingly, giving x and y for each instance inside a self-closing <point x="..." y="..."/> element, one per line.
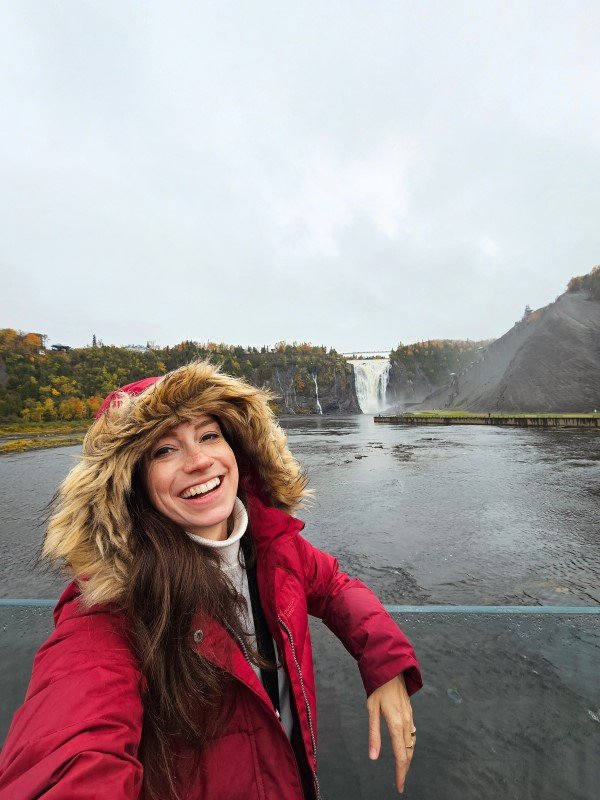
<point x="77" y="733"/>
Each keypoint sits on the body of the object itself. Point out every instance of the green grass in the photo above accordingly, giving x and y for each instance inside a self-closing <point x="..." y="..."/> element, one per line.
<point x="62" y="426"/>
<point x="497" y="415"/>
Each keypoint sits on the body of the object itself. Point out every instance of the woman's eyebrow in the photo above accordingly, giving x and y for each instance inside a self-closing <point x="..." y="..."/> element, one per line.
<point x="204" y="424"/>
<point x="198" y="426"/>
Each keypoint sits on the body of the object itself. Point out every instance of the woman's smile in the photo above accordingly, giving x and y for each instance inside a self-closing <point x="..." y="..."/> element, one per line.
<point x="192" y="477"/>
<point x="202" y="488"/>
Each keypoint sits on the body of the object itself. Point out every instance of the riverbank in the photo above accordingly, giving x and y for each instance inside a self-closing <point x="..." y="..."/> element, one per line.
<point x="18" y="437"/>
<point x="545" y="420"/>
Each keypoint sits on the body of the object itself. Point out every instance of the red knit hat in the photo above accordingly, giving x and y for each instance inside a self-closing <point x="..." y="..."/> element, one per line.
<point x="137" y="387"/>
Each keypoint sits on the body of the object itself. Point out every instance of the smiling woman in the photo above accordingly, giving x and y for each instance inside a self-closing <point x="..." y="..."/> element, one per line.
<point x="192" y="477"/>
<point x="181" y="664"/>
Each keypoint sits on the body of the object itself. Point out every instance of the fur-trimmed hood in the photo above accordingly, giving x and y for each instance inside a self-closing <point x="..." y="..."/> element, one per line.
<point x="90" y="528"/>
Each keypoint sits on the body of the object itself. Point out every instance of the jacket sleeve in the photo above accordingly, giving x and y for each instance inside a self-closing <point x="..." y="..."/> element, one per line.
<point x="355" y="615"/>
<point x="77" y="734"/>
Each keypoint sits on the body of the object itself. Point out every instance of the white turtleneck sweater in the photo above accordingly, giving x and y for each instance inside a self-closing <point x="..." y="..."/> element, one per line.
<point x="229" y="551"/>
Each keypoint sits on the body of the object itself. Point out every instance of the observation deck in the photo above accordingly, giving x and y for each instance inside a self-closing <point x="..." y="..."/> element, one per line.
<point x="510" y="706"/>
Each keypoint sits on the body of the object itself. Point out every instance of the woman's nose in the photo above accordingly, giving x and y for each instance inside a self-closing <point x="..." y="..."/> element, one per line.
<point x="197" y="458"/>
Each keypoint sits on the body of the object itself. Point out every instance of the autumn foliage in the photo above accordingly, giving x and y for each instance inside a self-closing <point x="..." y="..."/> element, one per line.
<point x="41" y="385"/>
<point x="591" y="282"/>
<point x="436" y="358"/>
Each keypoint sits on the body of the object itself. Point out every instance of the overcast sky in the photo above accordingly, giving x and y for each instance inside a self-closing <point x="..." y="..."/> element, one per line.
<point x="352" y="173"/>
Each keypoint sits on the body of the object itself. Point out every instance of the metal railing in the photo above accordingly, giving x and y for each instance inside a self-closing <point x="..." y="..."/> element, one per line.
<point x="510" y="706"/>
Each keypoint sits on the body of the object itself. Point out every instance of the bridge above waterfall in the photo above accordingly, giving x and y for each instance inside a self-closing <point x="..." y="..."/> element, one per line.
<point x="356" y="354"/>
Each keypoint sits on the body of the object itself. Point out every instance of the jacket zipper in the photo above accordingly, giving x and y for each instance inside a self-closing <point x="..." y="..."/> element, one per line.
<point x="244" y="650"/>
<point x="307" y="704"/>
<point x="240" y="641"/>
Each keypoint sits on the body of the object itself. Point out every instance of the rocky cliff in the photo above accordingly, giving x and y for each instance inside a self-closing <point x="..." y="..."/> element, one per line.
<point x="418" y="369"/>
<point x="549" y="361"/>
<point x="297" y="393"/>
<point x="407" y="385"/>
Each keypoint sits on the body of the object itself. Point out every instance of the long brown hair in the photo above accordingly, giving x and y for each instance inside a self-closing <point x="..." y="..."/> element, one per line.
<point x="171" y="579"/>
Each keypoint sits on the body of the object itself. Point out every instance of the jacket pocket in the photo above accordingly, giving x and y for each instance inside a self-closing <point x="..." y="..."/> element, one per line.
<point x="227" y="768"/>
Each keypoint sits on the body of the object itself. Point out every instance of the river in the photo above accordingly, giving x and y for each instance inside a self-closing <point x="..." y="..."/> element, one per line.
<point x="462" y="516"/>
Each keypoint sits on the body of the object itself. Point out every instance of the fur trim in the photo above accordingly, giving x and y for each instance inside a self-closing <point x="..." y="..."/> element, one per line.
<point x="90" y="527"/>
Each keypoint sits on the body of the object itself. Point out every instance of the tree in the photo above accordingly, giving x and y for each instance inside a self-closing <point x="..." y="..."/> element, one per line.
<point x="93" y="404"/>
<point x="32" y="341"/>
<point x="299" y="384"/>
<point x="48" y="410"/>
<point x="8" y="338"/>
<point x="71" y="408"/>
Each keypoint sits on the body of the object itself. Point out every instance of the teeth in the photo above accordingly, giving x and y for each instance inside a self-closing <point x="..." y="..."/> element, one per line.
<point x="201" y="488"/>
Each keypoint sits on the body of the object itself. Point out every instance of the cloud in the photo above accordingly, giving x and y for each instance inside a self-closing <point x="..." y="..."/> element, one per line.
<point x="335" y="192"/>
<point x="348" y="173"/>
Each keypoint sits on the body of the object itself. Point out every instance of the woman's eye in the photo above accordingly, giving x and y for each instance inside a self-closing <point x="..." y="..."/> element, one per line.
<point x="162" y="451"/>
<point x="210" y="435"/>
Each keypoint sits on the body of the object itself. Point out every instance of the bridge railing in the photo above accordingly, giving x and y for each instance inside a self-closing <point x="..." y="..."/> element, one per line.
<point x="510" y="706"/>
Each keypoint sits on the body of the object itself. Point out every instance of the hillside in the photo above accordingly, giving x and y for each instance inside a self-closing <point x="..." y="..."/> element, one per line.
<point x="42" y="385"/>
<point x="549" y="361"/>
<point x="418" y="369"/>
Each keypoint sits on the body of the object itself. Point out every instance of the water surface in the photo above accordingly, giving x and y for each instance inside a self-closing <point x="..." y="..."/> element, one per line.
<point x="459" y="515"/>
<point x="463" y="515"/>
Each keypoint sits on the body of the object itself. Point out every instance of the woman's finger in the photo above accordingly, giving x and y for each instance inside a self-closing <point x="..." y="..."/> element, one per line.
<point x="401" y="753"/>
<point x="374" y="730"/>
<point x="409" y="732"/>
<point x="409" y="744"/>
<point x="393" y="702"/>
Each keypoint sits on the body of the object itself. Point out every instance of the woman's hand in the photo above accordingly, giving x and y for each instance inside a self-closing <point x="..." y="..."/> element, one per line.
<point x="392" y="701"/>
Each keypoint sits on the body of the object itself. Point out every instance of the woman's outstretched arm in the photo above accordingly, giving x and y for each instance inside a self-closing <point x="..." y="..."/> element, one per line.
<point x="356" y="616"/>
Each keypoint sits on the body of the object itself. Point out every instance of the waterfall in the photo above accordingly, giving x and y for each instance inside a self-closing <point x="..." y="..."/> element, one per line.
<point x="371" y="379"/>
<point x="314" y="377"/>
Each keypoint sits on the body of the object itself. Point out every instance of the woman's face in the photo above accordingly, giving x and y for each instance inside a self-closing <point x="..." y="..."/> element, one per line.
<point x="192" y="477"/>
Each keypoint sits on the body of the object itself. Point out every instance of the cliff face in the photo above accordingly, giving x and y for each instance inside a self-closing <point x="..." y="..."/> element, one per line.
<point x="549" y="361"/>
<point x="407" y="386"/>
<point x="297" y="394"/>
<point x="418" y="369"/>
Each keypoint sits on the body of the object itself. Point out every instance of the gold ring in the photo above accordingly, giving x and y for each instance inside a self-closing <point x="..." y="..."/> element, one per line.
<point x="413" y="733"/>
